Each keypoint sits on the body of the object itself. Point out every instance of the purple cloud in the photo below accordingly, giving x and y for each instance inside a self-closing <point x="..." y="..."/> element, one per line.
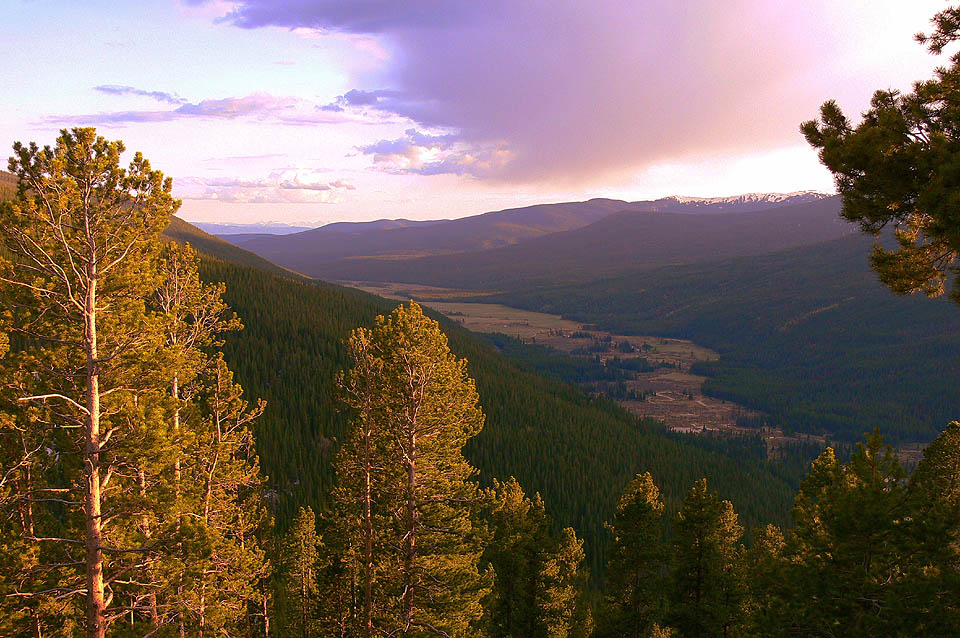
<point x="363" y="16"/>
<point x="159" y="96"/>
<point x="380" y="99"/>
<point x="426" y="154"/>
<point x="577" y="90"/>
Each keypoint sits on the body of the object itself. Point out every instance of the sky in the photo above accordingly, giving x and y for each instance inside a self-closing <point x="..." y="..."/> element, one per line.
<point x="314" y="111"/>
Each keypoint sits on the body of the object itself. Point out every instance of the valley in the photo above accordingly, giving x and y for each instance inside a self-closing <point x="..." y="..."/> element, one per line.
<point x="663" y="387"/>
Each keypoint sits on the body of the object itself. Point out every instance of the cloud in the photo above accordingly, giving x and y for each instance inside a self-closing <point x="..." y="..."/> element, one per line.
<point x="286" y="110"/>
<point x="426" y="154"/>
<point x="289" y="186"/>
<point x="380" y="99"/>
<point x="365" y="16"/>
<point x="581" y="91"/>
<point x="254" y="105"/>
<point x="159" y="96"/>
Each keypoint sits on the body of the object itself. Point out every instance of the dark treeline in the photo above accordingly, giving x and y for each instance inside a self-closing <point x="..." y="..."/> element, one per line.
<point x="869" y="553"/>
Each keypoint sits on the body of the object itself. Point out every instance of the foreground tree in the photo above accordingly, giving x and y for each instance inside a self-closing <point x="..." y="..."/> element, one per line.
<point x="707" y="597"/>
<point x="898" y="168"/>
<point x="539" y="578"/>
<point x="517" y="550"/>
<point x="847" y="552"/>
<point x="563" y="580"/>
<point x="82" y="239"/>
<point x="301" y="563"/>
<point x="107" y="496"/>
<point x="414" y="408"/>
<point x="637" y="566"/>
<point x="223" y="551"/>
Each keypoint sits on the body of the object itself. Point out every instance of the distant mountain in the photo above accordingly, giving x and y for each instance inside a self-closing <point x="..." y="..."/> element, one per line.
<point x="402" y="239"/>
<point x="262" y="228"/>
<point x="736" y="204"/>
<point x="186" y="233"/>
<point x="336" y="250"/>
<point x="620" y="242"/>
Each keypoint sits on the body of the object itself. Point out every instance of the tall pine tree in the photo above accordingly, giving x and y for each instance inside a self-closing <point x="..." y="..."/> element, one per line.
<point x="707" y="592"/>
<point x="415" y="407"/>
<point x="637" y="566"/>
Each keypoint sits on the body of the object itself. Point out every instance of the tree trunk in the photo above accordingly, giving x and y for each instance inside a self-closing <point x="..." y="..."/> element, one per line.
<point x="368" y="537"/>
<point x="147" y="533"/>
<point x="175" y="393"/>
<point x="266" y="614"/>
<point x="411" y="553"/>
<point x="96" y="603"/>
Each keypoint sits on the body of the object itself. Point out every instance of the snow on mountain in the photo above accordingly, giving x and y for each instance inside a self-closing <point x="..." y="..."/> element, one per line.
<point x="736" y="203"/>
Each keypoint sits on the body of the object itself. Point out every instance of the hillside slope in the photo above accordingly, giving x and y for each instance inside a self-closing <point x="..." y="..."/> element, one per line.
<point x="808" y="335"/>
<point x="577" y="452"/>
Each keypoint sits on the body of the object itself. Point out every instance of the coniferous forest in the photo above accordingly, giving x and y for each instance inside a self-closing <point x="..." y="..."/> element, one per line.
<point x="395" y="480"/>
<point x="196" y="442"/>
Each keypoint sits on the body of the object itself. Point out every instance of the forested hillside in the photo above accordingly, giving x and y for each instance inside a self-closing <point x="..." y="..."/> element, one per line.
<point x="578" y="453"/>
<point x="8" y="184"/>
<point x="807" y="335"/>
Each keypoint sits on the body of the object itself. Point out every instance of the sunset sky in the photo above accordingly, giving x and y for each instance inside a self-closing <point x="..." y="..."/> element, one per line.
<point x="315" y="111"/>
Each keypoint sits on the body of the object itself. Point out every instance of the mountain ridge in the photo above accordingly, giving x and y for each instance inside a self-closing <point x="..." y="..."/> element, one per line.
<point x="618" y="242"/>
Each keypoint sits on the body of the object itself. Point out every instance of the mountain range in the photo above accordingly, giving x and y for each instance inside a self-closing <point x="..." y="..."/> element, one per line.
<point x="556" y="242"/>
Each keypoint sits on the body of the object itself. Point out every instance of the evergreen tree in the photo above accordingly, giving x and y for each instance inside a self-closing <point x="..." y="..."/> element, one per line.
<point x="563" y="580"/>
<point x="368" y="477"/>
<point x="192" y="316"/>
<point x="637" y="565"/>
<point x="302" y="547"/>
<point x="896" y="168"/>
<point x="766" y="584"/>
<point x="517" y="550"/>
<point x="930" y="597"/>
<point x="847" y="554"/>
<point x="421" y="408"/>
<point x="82" y="240"/>
<point x="116" y="501"/>
<point x="707" y="597"/>
<point x="223" y="550"/>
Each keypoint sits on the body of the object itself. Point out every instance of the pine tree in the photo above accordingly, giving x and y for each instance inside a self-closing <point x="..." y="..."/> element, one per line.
<point x="367" y="477"/>
<point x="563" y="579"/>
<point x="766" y="583"/>
<point x="82" y="240"/>
<point x="421" y="407"/>
<point x="192" y="316"/>
<point x="707" y="596"/>
<point x="929" y="597"/>
<point x="849" y="550"/>
<point x="302" y="549"/>
<point x="93" y="447"/>
<point x="637" y="565"/>
<point x="225" y="559"/>
<point x="517" y="550"/>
